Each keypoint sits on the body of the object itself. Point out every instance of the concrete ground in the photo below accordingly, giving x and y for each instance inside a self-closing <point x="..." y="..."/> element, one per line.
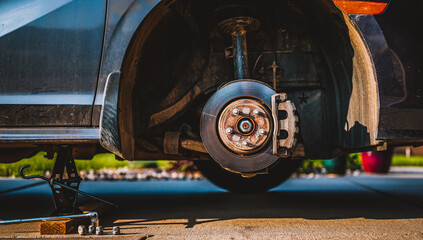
<point x="362" y="207"/>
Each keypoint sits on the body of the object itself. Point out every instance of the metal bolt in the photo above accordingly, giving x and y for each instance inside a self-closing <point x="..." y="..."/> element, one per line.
<point x="235" y="111"/>
<point x="91" y="229"/>
<point x="116" y="230"/>
<point x="262" y="131"/>
<point x="82" y="230"/>
<point x="245" y="126"/>
<point x="99" y="230"/>
<point x="245" y="143"/>
<point x="256" y="112"/>
<point x="229" y="130"/>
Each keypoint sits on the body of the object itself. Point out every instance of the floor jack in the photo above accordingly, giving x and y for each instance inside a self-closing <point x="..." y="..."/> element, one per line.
<point x="65" y="191"/>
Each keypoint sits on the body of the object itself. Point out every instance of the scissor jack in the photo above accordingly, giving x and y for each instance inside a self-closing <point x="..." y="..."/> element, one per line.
<point x="65" y="187"/>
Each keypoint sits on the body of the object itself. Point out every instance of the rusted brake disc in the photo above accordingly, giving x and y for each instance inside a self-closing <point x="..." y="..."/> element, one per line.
<point x="237" y="126"/>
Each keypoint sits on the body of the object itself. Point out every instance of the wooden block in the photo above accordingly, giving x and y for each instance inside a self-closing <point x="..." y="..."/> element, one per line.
<point x="62" y="226"/>
<point x="56" y="227"/>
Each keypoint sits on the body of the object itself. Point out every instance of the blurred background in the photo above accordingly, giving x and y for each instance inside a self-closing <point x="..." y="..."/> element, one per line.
<point x="107" y="167"/>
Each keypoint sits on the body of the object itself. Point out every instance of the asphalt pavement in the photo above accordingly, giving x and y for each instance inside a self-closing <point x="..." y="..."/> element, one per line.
<point x="361" y="207"/>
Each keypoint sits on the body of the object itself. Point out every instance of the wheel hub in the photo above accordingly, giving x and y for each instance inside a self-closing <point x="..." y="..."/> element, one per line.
<point x="237" y="126"/>
<point x="244" y="126"/>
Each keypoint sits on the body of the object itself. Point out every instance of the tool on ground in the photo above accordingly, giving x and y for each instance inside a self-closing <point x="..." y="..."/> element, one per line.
<point x="92" y="215"/>
<point x="99" y="230"/>
<point x="91" y="229"/>
<point x="82" y="230"/>
<point x="116" y="230"/>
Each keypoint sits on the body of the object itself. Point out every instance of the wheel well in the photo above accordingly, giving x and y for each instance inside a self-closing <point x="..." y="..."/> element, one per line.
<point x="175" y="61"/>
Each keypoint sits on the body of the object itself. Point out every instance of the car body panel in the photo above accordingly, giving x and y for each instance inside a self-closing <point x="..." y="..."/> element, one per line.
<point x="123" y="19"/>
<point x="50" y="57"/>
<point x="52" y="135"/>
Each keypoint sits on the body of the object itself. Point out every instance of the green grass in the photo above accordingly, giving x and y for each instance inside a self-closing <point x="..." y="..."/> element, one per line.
<point x="40" y="164"/>
<point x="402" y="160"/>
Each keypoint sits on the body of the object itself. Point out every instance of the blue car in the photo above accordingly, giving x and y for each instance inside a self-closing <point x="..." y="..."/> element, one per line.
<point x="245" y="89"/>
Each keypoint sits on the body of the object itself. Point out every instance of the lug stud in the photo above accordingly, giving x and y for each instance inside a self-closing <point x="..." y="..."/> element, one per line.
<point x="235" y="111"/>
<point x="229" y="130"/>
<point x="116" y="230"/>
<point x="256" y="112"/>
<point x="245" y="143"/>
<point x="91" y="229"/>
<point x="99" y="230"/>
<point x="82" y="230"/>
<point x="262" y="131"/>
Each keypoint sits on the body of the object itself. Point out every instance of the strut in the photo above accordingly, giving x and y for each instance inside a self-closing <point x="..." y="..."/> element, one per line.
<point x="238" y="28"/>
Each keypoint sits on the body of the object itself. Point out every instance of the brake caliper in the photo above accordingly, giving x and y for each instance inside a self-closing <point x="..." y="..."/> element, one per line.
<point x="285" y="125"/>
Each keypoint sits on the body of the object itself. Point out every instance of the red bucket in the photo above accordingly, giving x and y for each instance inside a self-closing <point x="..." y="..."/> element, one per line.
<point x="377" y="162"/>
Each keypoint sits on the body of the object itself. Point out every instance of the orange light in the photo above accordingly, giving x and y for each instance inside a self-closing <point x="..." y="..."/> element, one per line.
<point x="361" y="7"/>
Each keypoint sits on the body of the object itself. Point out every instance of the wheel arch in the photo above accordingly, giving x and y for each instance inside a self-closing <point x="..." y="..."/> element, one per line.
<point x="363" y="106"/>
<point x="124" y="19"/>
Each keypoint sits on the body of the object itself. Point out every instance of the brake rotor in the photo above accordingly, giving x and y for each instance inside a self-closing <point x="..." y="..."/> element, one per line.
<point x="237" y="126"/>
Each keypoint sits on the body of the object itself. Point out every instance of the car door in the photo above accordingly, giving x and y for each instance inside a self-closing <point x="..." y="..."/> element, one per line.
<point x="50" y="53"/>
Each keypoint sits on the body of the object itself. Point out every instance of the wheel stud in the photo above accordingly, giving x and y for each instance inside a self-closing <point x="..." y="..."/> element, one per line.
<point x="235" y="111"/>
<point x="229" y="130"/>
<point x="256" y="112"/>
<point x="245" y="143"/>
<point x="262" y="131"/>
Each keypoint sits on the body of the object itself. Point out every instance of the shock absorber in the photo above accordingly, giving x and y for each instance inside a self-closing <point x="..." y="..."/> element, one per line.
<point x="238" y="27"/>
